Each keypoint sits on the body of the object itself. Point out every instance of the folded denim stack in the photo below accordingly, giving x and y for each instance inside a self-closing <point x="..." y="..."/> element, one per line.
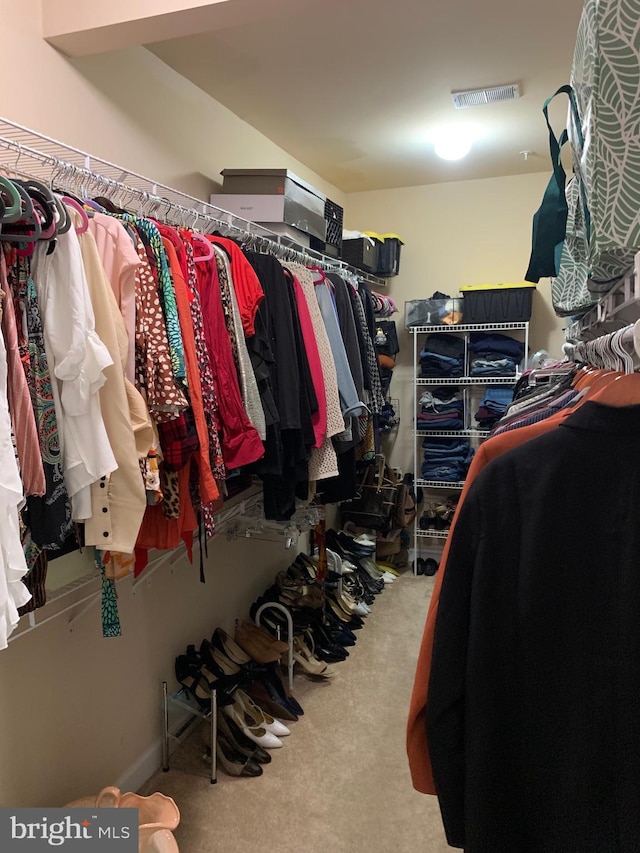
<point x="493" y="405"/>
<point x="446" y="459"/>
<point x="494" y="354"/>
<point x="442" y="356"/>
<point x="442" y="409"/>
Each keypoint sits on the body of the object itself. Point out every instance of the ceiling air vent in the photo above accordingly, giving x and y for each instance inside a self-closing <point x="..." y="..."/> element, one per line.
<point x="478" y="97"/>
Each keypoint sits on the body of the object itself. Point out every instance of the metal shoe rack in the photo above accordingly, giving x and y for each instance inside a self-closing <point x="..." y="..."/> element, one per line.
<point x="190" y="715"/>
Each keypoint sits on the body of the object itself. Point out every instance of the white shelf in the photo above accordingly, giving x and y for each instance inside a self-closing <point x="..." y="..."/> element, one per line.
<point x="468" y="327"/>
<point x="451" y="433"/>
<point x="432" y="534"/>
<point x="466" y="384"/>
<point x="439" y="484"/>
<point x="469" y="380"/>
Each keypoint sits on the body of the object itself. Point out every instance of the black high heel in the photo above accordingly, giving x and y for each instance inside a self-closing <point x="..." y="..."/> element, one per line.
<point x="240" y="741"/>
<point x="193" y="681"/>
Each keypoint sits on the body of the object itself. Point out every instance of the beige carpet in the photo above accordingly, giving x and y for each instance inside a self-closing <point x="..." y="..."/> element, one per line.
<point x="341" y="783"/>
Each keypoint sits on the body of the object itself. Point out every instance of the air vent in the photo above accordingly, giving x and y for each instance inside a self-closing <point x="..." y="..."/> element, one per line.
<point x="478" y="97"/>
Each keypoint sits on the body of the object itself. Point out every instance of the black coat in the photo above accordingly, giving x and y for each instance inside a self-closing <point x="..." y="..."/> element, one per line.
<point x="534" y="701"/>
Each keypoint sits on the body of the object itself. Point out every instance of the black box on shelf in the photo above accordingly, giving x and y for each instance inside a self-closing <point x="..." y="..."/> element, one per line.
<point x="361" y="253"/>
<point x="501" y="303"/>
<point x="388" y="255"/>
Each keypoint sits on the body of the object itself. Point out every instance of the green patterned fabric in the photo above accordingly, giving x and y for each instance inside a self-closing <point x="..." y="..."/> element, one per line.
<point x="569" y="292"/>
<point x="167" y="294"/>
<point x="110" y="615"/>
<point x="606" y="80"/>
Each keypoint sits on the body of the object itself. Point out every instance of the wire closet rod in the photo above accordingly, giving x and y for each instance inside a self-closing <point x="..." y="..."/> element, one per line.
<point x="41" y="156"/>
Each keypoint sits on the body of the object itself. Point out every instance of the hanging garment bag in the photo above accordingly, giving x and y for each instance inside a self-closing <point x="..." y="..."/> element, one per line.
<point x="605" y="138"/>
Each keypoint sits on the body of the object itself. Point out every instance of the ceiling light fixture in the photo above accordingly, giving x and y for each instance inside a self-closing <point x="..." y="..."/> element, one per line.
<point x="452" y="143"/>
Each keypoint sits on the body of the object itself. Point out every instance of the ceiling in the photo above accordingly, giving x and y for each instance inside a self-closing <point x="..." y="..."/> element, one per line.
<point x="353" y="89"/>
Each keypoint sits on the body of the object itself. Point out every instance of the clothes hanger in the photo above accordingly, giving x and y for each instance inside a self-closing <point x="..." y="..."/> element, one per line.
<point x="206" y="244"/>
<point x="8" y="192"/>
<point x="72" y="202"/>
<point x="28" y="219"/>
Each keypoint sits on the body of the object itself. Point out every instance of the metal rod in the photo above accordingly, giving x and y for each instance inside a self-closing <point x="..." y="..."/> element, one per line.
<point x="275" y="605"/>
<point x="66" y="163"/>
<point x="214" y="736"/>
<point x="165" y="727"/>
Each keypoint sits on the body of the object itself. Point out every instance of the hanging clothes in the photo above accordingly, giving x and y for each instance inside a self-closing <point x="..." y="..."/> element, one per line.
<point x="120" y="259"/>
<point x="77" y="358"/>
<point x="19" y="398"/>
<point x="247" y="286"/>
<point x="532" y="721"/>
<point x="240" y="441"/>
<point x="118" y="501"/>
<point x="47" y="519"/>
<point x="13" y="567"/>
<point x="154" y="374"/>
<point x="233" y="320"/>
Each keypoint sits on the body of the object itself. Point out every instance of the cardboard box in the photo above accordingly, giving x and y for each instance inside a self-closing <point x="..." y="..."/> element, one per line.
<point x="266" y="209"/>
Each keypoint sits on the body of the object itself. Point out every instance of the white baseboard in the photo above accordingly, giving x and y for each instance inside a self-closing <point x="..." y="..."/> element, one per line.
<point x="135" y="776"/>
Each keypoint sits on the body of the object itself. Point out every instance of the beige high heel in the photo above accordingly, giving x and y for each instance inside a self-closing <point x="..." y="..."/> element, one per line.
<point x="309" y="663"/>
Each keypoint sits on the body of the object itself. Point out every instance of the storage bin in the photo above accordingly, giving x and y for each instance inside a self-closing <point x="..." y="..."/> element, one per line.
<point x="499" y="303"/>
<point x="268" y="209"/>
<point x="333" y="215"/>
<point x="389" y="247"/>
<point x="433" y="312"/>
<point x="361" y="253"/>
<point x="301" y="204"/>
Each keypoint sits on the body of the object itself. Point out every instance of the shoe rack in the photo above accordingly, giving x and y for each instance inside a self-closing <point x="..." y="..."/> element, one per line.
<point x="472" y="388"/>
<point x="180" y="716"/>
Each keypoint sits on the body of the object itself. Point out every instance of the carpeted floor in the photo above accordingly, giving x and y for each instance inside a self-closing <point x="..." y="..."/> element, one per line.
<point x="341" y="783"/>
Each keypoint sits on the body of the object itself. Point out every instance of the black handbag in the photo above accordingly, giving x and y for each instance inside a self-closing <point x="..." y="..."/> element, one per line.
<point x="375" y="502"/>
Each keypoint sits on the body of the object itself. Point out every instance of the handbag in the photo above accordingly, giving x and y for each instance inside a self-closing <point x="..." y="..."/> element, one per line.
<point x="550" y="220"/>
<point x="375" y="502"/>
<point x="604" y="135"/>
<point x="570" y="294"/>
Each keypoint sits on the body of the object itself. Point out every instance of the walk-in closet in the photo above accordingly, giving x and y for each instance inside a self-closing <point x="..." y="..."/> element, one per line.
<point x="319" y="405"/>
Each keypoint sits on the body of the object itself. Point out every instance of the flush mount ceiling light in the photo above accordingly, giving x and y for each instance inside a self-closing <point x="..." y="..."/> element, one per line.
<point x="491" y="95"/>
<point x="453" y="142"/>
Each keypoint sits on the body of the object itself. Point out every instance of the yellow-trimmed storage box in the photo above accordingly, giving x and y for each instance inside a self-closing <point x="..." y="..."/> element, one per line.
<point x="497" y="303"/>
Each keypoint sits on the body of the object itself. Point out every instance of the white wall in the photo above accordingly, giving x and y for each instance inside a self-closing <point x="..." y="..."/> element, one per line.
<point x="470" y="232"/>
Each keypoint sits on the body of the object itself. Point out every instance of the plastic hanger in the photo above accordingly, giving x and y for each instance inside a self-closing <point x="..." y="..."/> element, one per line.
<point x="28" y="219"/>
<point x="207" y="244"/>
<point x="13" y="211"/>
<point x="71" y="202"/>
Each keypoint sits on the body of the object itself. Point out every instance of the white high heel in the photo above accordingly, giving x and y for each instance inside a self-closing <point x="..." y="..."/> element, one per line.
<point x="257" y="734"/>
<point x="261" y="718"/>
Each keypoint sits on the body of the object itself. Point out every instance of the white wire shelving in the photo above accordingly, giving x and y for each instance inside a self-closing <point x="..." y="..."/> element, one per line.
<point x="467" y="385"/>
<point x="36" y="155"/>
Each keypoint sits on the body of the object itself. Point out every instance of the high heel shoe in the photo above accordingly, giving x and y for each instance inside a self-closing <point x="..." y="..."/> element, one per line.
<point x="258" y="734"/>
<point x="241" y="742"/>
<point x="223" y="642"/>
<point x="233" y="762"/>
<point x="278" y="690"/>
<point x="277" y="709"/>
<point x="309" y="662"/>
<point x="193" y="682"/>
<point x="261" y="718"/>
